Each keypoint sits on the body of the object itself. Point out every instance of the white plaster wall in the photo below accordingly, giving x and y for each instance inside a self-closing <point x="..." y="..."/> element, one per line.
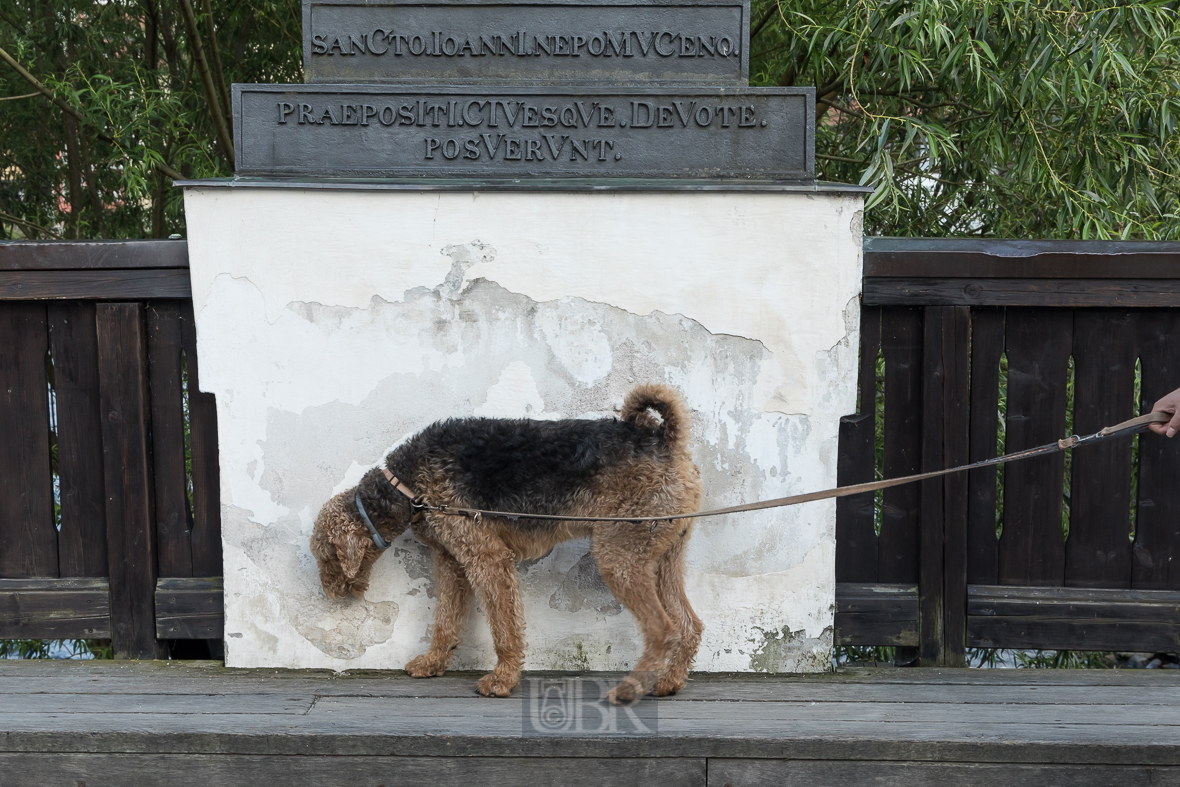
<point x="331" y="325"/>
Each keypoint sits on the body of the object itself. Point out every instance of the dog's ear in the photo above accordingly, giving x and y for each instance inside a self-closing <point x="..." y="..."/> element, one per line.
<point x="350" y="550"/>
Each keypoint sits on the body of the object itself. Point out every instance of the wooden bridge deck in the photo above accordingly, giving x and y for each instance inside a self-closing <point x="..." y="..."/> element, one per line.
<point x="146" y="723"/>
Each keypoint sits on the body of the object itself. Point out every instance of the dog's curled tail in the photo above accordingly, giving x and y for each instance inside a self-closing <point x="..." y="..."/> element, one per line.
<point x="665" y="401"/>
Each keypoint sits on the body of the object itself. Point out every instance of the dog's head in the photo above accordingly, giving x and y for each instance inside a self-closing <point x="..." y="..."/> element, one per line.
<point x="342" y="543"/>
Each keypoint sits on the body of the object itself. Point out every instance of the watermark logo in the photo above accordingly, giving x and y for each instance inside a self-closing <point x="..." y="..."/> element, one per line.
<point x="577" y="706"/>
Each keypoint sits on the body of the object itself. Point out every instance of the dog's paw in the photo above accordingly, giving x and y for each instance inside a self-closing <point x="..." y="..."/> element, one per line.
<point x="425" y="667"/>
<point x="669" y="685"/>
<point x="627" y="692"/>
<point x="493" y="685"/>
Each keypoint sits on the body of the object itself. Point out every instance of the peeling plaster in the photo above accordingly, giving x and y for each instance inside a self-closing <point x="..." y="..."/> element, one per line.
<point x="323" y="359"/>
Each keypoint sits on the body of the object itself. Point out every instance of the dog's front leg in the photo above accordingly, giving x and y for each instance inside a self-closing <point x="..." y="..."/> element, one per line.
<point x="453" y="593"/>
<point x="491" y="568"/>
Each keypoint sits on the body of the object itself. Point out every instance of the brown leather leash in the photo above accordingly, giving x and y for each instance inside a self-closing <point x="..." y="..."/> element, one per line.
<point x="1123" y="429"/>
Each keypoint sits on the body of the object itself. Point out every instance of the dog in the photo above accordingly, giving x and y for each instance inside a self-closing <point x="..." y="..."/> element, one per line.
<point x="637" y="465"/>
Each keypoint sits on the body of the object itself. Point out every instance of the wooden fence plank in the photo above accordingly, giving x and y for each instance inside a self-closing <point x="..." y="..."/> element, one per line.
<point x="206" y="532"/>
<point x="82" y="540"/>
<point x="1032" y="548"/>
<point x="987" y="345"/>
<point x="123" y="387"/>
<point x="1061" y="293"/>
<point x="75" y="255"/>
<point x="856" y="540"/>
<point x="1156" y="561"/>
<point x="956" y="394"/>
<point x="1098" y="550"/>
<point x="189" y="608"/>
<point x="876" y="614"/>
<point x="901" y="343"/>
<point x="94" y="285"/>
<point x="987" y="258"/>
<point x="833" y="773"/>
<point x="931" y="555"/>
<point x="164" y="345"/>
<point x="54" y="609"/>
<point x="134" y="770"/>
<point x="28" y="537"/>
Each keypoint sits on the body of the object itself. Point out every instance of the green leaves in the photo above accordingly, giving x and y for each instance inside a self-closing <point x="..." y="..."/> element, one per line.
<point x="127" y="68"/>
<point x="1029" y="119"/>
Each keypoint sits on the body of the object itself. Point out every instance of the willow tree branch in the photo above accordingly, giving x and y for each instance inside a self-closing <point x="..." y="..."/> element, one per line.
<point x="224" y="138"/>
<point x="69" y="110"/>
<point x="215" y="50"/>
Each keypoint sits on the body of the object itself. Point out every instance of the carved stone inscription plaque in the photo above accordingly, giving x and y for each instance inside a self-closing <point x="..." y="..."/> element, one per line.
<point x="597" y="42"/>
<point x="373" y="131"/>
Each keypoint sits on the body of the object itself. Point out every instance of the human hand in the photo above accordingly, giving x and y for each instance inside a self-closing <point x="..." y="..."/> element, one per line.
<point x="1169" y="404"/>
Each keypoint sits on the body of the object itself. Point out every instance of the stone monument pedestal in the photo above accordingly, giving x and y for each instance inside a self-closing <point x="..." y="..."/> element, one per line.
<point x="334" y="320"/>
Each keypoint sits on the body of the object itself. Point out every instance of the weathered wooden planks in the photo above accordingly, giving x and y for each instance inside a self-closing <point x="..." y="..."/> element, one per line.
<point x="53" y="608"/>
<point x="1156" y="561"/>
<point x="1060" y="293"/>
<point x="28" y="537"/>
<point x="123" y="393"/>
<point x="1032" y="547"/>
<point x="82" y="541"/>
<point x="873" y="614"/>
<point x="1098" y="550"/>
<point x="189" y="608"/>
<point x="987" y="347"/>
<point x="901" y="344"/>
<point x="173" y="517"/>
<point x="93" y="255"/>
<point x="808" y="773"/>
<point x="27" y="285"/>
<point x="205" y="535"/>
<point x="979" y="258"/>
<point x="1073" y="618"/>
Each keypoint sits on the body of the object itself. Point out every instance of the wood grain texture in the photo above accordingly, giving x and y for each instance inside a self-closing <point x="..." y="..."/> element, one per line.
<point x="856" y="536"/>
<point x="82" y="540"/>
<point x="956" y="393"/>
<point x="190" y="608"/>
<point x="130" y="770"/>
<point x="1156" y="553"/>
<point x="856" y="539"/>
<point x="1098" y="550"/>
<point x="987" y="346"/>
<point x="28" y="536"/>
<point x="901" y="343"/>
<point x="931" y="593"/>
<point x="812" y="773"/>
<point x="54" y="608"/>
<point x="1032" y="547"/>
<point x="1060" y="293"/>
<point x="173" y="518"/>
<point x="874" y="614"/>
<point x="986" y="258"/>
<point x="95" y="255"/>
<point x="205" y="536"/>
<point x="94" y="284"/>
<point x="125" y="408"/>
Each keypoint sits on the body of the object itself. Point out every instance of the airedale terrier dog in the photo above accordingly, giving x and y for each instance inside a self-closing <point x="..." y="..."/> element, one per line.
<point x="634" y="466"/>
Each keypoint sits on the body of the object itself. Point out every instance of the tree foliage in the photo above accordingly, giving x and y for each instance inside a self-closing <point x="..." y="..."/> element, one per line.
<point x="1005" y="119"/>
<point x="1013" y="119"/>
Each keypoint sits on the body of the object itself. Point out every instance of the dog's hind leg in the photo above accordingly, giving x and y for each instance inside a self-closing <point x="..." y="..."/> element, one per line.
<point x="491" y="568"/>
<point x="631" y="577"/>
<point x="454" y="593"/>
<point x="670" y="578"/>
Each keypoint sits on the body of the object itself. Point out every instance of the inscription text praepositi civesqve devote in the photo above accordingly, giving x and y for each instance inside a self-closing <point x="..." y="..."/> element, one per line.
<point x="438" y="43"/>
<point x="513" y="115"/>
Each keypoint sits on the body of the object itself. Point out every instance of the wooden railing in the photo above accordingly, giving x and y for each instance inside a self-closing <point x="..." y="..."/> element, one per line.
<point x="100" y="535"/>
<point x="1080" y="332"/>
<point x="1047" y="331"/>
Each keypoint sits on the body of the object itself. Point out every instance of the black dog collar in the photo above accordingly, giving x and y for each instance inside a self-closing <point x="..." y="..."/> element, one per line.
<point x="378" y="541"/>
